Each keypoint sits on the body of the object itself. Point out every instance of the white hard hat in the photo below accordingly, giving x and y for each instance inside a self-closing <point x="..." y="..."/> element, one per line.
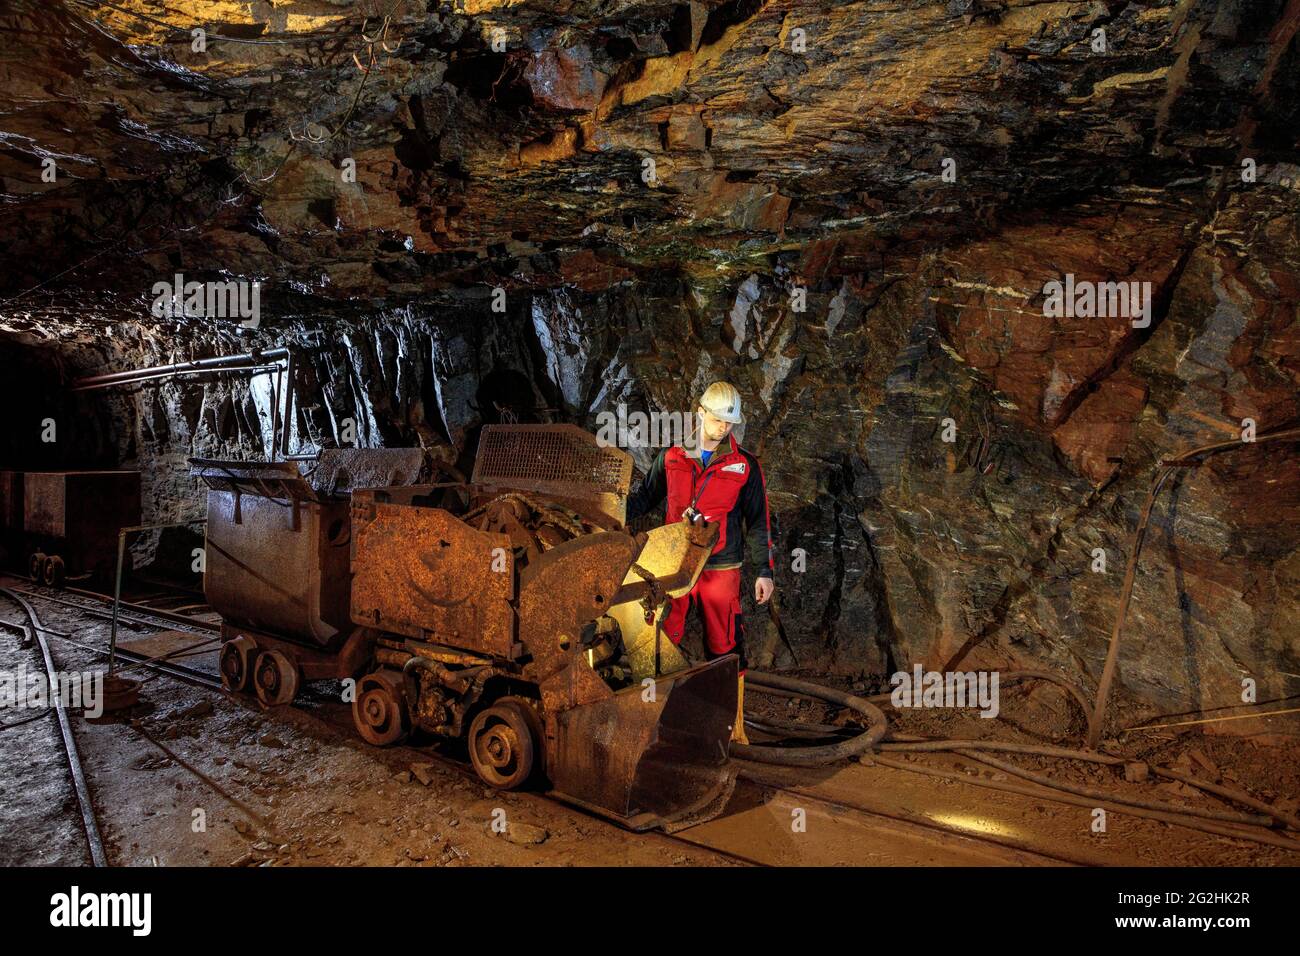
<point x="722" y="401"/>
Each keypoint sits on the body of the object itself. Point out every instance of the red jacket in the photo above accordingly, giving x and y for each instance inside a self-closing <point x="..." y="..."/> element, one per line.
<point x="730" y="491"/>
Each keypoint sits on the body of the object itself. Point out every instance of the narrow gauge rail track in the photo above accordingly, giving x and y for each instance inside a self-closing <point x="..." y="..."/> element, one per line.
<point x="80" y="786"/>
<point x="95" y="605"/>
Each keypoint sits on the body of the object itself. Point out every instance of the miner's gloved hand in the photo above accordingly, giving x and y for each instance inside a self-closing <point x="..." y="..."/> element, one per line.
<point x="763" y="589"/>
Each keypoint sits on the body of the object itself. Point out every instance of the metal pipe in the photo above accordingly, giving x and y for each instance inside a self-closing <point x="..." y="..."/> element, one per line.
<point x="456" y="680"/>
<point x="287" y="418"/>
<point x="92" y="382"/>
<point x="277" y="393"/>
<point x="203" y="373"/>
<point x="241" y="370"/>
<point x="248" y="363"/>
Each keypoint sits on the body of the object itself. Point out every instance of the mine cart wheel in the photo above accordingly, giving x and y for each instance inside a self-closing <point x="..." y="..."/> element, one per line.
<point x="36" y="567"/>
<point x="236" y="663"/>
<point x="501" y="745"/>
<point x="275" y="678"/>
<point x="379" y="709"/>
<point x="528" y="707"/>
<point x="53" y="573"/>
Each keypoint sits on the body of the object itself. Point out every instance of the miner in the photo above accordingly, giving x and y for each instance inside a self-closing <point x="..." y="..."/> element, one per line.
<point x="712" y="479"/>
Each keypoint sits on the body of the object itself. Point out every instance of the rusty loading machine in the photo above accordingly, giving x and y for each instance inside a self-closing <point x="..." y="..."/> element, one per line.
<point x="513" y="612"/>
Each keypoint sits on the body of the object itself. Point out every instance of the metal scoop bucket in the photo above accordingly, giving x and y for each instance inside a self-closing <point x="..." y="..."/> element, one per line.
<point x="650" y="760"/>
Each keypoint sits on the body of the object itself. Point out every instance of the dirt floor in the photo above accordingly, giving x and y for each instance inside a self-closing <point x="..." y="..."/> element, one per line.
<point x="197" y="777"/>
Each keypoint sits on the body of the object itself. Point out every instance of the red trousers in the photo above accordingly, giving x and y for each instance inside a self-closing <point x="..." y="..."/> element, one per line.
<point x="717" y="594"/>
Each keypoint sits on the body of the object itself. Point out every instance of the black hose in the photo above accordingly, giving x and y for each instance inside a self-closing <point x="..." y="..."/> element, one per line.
<point x="806" y="729"/>
<point x="814" y="756"/>
<point x="411" y="682"/>
<point x="790" y="733"/>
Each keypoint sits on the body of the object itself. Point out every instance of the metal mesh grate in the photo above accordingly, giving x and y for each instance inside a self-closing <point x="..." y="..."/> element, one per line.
<point x="562" y="459"/>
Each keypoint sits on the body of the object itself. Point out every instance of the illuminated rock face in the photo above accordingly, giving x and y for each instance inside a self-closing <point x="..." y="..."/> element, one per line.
<point x="852" y="211"/>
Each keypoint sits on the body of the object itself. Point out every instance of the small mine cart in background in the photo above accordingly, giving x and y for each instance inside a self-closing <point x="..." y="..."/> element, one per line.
<point x="63" y="524"/>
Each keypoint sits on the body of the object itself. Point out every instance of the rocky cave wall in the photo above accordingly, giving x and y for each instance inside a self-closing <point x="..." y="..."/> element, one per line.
<point x="777" y="172"/>
<point x="916" y="548"/>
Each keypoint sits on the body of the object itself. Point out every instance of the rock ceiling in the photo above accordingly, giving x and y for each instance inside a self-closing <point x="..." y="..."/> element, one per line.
<point x="511" y="143"/>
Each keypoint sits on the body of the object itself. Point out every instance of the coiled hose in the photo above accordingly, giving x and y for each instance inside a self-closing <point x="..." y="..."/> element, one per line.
<point x="817" y="754"/>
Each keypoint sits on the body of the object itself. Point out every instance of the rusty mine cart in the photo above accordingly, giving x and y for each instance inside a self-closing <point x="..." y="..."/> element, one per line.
<point x="513" y="612"/>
